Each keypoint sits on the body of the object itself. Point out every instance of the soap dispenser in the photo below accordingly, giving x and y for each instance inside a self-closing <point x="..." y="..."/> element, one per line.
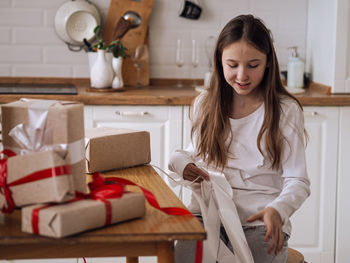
<point x="295" y="75"/>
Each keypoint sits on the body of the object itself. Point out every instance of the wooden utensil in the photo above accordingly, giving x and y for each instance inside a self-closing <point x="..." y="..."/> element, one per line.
<point x="134" y="37"/>
<point x="129" y="20"/>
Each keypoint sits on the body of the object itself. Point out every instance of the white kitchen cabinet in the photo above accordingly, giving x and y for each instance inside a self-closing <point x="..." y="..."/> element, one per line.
<point x="343" y="211"/>
<point x="313" y="231"/>
<point x="165" y="126"/>
<point x="163" y="122"/>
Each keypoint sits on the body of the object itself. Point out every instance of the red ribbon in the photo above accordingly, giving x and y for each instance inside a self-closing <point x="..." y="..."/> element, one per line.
<point x="102" y="188"/>
<point x="100" y="193"/>
<point x="98" y="180"/>
<point x="38" y="175"/>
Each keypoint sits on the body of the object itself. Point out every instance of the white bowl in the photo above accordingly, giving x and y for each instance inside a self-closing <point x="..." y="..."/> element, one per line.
<point x="76" y="20"/>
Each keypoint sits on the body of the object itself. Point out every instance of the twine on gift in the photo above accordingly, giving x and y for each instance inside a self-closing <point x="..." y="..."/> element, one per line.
<point x="38" y="175"/>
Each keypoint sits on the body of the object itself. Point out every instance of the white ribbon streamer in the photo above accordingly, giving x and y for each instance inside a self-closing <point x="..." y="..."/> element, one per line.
<point x="218" y="208"/>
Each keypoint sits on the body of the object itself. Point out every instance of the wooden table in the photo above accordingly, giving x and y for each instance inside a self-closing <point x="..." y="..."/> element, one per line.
<point x="154" y="234"/>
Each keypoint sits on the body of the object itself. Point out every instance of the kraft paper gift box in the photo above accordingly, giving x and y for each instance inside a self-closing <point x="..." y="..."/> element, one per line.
<point x="113" y="148"/>
<point x="47" y="176"/>
<point x="47" y="125"/>
<point x="75" y="217"/>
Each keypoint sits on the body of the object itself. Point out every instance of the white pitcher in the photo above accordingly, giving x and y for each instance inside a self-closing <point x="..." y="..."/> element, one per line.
<point x="101" y="73"/>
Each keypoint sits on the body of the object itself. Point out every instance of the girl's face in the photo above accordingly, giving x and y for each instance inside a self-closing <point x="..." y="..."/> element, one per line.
<point x="244" y="67"/>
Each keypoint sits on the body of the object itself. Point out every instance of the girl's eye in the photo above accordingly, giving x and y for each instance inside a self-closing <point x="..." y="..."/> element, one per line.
<point x="233" y="66"/>
<point x="253" y="66"/>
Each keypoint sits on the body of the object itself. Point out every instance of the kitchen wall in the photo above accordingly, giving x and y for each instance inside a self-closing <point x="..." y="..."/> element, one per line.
<point x="30" y="47"/>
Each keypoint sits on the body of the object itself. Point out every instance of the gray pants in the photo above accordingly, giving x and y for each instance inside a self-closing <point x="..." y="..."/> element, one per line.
<point x="185" y="250"/>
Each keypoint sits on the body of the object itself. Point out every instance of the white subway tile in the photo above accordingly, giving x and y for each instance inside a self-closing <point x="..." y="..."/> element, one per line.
<point x="198" y="73"/>
<point x="62" y="55"/>
<point x="167" y="38"/>
<point x="272" y="6"/>
<point x="101" y="4"/>
<point x="5" y="70"/>
<point x="81" y="71"/>
<point x="20" y="17"/>
<point x="39" y="36"/>
<point x="49" y="18"/>
<point x="169" y="71"/>
<point x="287" y="39"/>
<point x="292" y="21"/>
<point x="5" y="3"/>
<point x="163" y="56"/>
<point x="20" y="54"/>
<point x="63" y="71"/>
<point x="41" y="4"/>
<point x="5" y="36"/>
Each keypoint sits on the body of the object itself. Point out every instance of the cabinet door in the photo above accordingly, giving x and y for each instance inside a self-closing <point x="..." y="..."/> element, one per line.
<point x="163" y="122"/>
<point x="343" y="212"/>
<point x="314" y="223"/>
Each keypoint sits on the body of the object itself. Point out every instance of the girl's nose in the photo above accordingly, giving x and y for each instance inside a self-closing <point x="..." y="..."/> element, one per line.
<point x="242" y="74"/>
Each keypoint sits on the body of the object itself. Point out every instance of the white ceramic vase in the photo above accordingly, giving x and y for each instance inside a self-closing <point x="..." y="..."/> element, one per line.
<point x="101" y="74"/>
<point x="117" y="64"/>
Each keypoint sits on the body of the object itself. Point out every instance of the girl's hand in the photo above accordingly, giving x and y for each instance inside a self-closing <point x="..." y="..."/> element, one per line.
<point x="273" y="223"/>
<point x="191" y="173"/>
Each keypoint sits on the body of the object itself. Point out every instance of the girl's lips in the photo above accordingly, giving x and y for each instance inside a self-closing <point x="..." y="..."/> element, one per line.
<point x="243" y="85"/>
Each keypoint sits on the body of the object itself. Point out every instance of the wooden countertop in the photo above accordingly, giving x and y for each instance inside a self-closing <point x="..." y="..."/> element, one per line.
<point x="159" y="93"/>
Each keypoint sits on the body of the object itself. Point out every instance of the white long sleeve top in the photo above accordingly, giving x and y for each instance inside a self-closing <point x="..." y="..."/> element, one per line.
<point x="255" y="184"/>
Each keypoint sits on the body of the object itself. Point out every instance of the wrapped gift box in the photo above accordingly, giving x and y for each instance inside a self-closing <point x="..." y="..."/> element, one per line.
<point x="75" y="217"/>
<point x="48" y="123"/>
<point x="43" y="183"/>
<point x="112" y="148"/>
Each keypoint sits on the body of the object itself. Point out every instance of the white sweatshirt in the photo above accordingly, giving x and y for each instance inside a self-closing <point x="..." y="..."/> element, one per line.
<point x="255" y="185"/>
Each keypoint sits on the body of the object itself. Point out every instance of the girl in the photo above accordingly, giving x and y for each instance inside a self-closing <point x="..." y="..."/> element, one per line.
<point x="249" y="127"/>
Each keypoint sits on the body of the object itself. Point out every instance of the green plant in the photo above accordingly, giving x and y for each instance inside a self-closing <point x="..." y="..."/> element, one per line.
<point x="116" y="47"/>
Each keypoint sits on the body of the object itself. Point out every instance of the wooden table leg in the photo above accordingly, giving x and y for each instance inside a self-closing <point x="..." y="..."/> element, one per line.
<point x="165" y="252"/>
<point x="132" y="260"/>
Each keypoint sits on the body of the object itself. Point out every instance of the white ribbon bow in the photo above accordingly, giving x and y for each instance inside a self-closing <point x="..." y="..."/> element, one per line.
<point x="35" y="137"/>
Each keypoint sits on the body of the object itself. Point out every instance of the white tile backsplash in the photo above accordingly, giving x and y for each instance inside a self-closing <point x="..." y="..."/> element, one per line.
<point x="36" y="36"/>
<point x="14" y="17"/>
<point x="31" y="70"/>
<point x="5" y="70"/>
<point x="29" y="45"/>
<point x="5" y="35"/>
<point x="18" y="54"/>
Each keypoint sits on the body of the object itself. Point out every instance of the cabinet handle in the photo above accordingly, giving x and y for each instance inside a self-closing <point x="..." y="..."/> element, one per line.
<point x="131" y="113"/>
<point x="311" y="114"/>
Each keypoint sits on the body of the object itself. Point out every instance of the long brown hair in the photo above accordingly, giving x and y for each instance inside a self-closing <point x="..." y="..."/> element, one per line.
<point x="212" y="124"/>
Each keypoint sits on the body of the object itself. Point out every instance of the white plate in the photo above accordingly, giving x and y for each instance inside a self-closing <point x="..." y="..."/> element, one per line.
<point x="76" y="20"/>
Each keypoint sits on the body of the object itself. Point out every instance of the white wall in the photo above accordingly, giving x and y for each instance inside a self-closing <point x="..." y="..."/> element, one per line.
<point x="321" y="40"/>
<point x="30" y="47"/>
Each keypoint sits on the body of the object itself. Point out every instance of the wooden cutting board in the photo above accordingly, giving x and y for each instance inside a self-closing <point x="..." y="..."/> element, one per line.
<point x="132" y="38"/>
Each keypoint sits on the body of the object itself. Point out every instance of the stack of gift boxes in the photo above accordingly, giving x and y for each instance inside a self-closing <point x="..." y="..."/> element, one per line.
<point x="45" y="159"/>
